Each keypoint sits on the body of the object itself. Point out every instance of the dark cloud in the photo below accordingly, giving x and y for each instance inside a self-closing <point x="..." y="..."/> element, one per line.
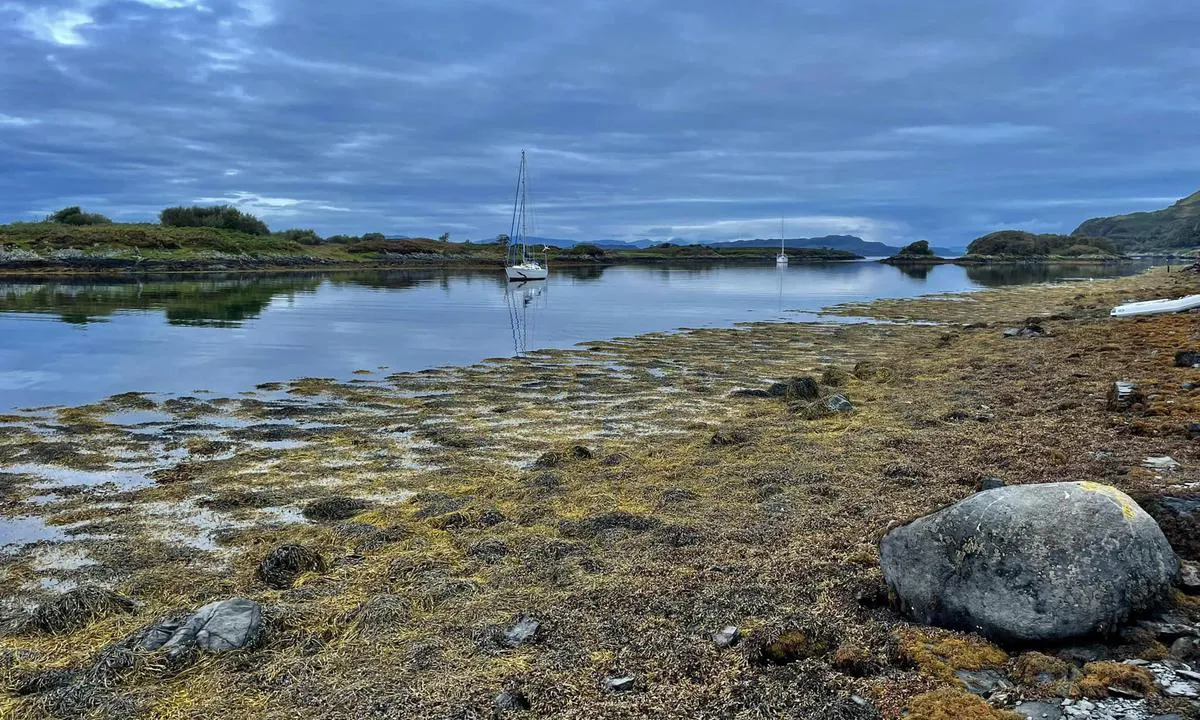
<point x="705" y="120"/>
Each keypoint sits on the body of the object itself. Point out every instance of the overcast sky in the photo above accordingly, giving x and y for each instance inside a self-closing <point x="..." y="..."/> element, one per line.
<point x="704" y="119"/>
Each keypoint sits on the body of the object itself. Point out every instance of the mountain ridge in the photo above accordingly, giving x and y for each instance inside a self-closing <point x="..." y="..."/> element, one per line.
<point x="1171" y="228"/>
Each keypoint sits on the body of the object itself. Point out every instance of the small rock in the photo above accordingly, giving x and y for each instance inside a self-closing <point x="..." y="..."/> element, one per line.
<point x="991" y="483"/>
<point x="797" y="388"/>
<point x="1189" y="577"/>
<point x="1123" y="395"/>
<point x="1029" y="331"/>
<point x="727" y="637"/>
<point x="1185" y="649"/>
<point x="617" y="684"/>
<point x="825" y="407"/>
<point x="1188" y="386"/>
<point x="1187" y="359"/>
<point x="521" y="632"/>
<point x="510" y="701"/>
<point x="219" y="626"/>
<point x="982" y="682"/>
<point x="1192" y="430"/>
<point x="1160" y="462"/>
<point x="1037" y="710"/>
<point x="1169" y="630"/>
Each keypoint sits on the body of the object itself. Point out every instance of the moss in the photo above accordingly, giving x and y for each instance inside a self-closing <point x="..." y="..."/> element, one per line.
<point x="1098" y="677"/>
<point x="940" y="652"/>
<point x="1035" y="668"/>
<point x="949" y="704"/>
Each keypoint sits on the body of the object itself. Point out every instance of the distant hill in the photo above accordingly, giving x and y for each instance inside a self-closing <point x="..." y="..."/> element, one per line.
<point x="1173" y="228"/>
<point x="1018" y="243"/>
<point x="847" y="243"/>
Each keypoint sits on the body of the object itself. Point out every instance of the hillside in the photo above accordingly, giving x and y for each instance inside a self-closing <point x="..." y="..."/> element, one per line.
<point x="848" y="243"/>
<point x="1018" y="243"/>
<point x="146" y="247"/>
<point x="1173" y="228"/>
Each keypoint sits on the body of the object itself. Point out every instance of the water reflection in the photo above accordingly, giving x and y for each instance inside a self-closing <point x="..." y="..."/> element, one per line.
<point x="997" y="275"/>
<point x="523" y="301"/>
<point x="73" y="340"/>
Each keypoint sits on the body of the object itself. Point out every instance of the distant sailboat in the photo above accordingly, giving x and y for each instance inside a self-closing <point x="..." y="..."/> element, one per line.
<point x="520" y="266"/>
<point x="781" y="258"/>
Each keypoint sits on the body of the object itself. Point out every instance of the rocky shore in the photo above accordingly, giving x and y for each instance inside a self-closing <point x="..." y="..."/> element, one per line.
<point x="672" y="525"/>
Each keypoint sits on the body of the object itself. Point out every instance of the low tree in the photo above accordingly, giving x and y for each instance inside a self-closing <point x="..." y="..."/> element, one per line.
<point x="224" y="217"/>
<point x="304" y="236"/>
<point x="374" y="237"/>
<point x="503" y="240"/>
<point x="444" y="237"/>
<point x="74" y="215"/>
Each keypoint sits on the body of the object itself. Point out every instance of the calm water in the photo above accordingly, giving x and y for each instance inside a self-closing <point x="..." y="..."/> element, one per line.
<point x="70" y="341"/>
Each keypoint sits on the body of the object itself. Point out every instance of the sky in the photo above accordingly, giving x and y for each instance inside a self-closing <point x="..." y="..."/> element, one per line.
<point x="702" y="120"/>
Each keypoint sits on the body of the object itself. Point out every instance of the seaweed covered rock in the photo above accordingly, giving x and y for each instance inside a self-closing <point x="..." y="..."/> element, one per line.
<point x="1031" y="563"/>
<point x="797" y="388"/>
<point x="219" y="626"/>
<point x="77" y="609"/>
<point x="280" y="568"/>
<point x="333" y="508"/>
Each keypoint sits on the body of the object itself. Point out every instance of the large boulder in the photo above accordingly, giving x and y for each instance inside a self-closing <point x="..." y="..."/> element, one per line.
<point x="1031" y="563"/>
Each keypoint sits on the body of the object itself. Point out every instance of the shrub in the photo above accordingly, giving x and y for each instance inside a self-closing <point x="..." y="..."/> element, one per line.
<point x="920" y="247"/>
<point x="75" y="216"/>
<point x="218" y="216"/>
<point x="305" y="236"/>
<point x="586" y="249"/>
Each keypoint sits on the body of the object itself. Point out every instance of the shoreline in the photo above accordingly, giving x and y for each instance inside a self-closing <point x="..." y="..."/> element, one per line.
<point x="690" y="510"/>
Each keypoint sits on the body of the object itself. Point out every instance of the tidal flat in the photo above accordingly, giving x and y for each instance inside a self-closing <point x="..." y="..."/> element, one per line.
<point x="621" y="493"/>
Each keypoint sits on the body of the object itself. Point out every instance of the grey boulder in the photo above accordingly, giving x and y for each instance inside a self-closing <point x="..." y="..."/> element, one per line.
<point x="218" y="627"/>
<point x="1031" y="563"/>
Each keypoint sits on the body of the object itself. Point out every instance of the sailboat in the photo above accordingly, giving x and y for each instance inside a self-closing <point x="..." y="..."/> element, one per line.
<point x="520" y="266"/>
<point x="781" y="258"/>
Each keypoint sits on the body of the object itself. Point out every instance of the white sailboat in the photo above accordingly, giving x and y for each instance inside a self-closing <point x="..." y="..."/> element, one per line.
<point x="781" y="258"/>
<point x="520" y="266"/>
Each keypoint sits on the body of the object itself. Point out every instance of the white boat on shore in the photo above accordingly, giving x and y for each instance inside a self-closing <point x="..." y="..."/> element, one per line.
<point x="520" y="266"/>
<point x="1157" y="307"/>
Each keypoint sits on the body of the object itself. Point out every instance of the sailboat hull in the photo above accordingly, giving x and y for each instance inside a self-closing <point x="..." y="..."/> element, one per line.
<point x="524" y="273"/>
<point x="781" y="260"/>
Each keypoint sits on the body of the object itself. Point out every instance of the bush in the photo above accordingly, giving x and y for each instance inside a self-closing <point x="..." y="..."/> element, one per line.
<point x="920" y="247"/>
<point x="75" y="216"/>
<point x="374" y="237"/>
<point x="305" y="236"/>
<point x="586" y="249"/>
<point x="219" y="216"/>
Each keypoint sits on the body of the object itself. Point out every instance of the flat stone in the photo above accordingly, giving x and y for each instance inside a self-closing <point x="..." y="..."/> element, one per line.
<point x="510" y="701"/>
<point x="982" y="682"/>
<point x="728" y="637"/>
<point x="1160" y="462"/>
<point x="617" y="684"/>
<point x="991" y="483"/>
<point x="1038" y="710"/>
<point x="1169" y="630"/>
<point x="219" y="626"/>
<point x="521" y="632"/>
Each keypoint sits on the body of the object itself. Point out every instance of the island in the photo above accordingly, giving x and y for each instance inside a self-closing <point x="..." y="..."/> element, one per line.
<point x="225" y="239"/>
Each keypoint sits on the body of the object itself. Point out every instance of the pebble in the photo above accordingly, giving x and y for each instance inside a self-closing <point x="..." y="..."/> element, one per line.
<point x="1175" y="679"/>
<point x="1160" y="462"/>
<point x="727" y="637"/>
<point x="521" y="632"/>
<point x="622" y="683"/>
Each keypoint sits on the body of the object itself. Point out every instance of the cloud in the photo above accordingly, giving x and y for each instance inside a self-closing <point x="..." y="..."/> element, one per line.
<point x="642" y="119"/>
<point x="971" y="134"/>
<point x="59" y="27"/>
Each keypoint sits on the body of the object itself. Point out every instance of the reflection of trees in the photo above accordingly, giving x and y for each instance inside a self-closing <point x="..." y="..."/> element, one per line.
<point x="1020" y="274"/>
<point x="581" y="272"/>
<point x="217" y="301"/>
<point x="915" y="271"/>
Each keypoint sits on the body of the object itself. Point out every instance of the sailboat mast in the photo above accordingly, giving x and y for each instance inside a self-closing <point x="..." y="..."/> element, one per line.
<point x="781" y="252"/>
<point x="524" y="233"/>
